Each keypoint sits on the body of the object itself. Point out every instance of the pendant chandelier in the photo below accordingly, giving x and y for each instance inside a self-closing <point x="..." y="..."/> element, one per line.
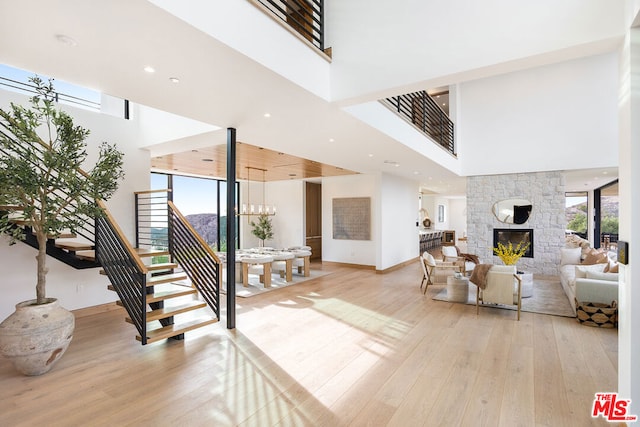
<point x="251" y="208"/>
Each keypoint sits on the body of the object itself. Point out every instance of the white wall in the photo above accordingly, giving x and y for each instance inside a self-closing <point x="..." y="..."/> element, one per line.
<point x="157" y="126"/>
<point x="556" y="112"/>
<point x="78" y="288"/>
<point x="362" y="252"/>
<point x="398" y="232"/>
<point x="458" y="216"/>
<point x="288" y="223"/>
<point x="455" y="40"/>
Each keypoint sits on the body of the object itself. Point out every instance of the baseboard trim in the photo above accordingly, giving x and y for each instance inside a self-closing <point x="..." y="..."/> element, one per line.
<point x="397" y="266"/>
<point x="344" y="264"/>
<point x="96" y="309"/>
<point x="372" y="267"/>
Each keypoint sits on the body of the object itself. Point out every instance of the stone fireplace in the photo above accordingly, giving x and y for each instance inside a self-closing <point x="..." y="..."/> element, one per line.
<point x="547" y="222"/>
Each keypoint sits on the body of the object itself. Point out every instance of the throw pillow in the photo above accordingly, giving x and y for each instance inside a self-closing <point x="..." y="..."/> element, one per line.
<point x="602" y="276"/>
<point x="570" y="256"/>
<point x="581" y="270"/>
<point x="595" y="257"/>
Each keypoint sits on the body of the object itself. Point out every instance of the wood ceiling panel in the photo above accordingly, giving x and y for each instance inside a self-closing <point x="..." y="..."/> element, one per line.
<point x="251" y="161"/>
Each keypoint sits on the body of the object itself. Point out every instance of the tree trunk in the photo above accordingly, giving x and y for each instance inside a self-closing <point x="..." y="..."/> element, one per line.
<point x="41" y="259"/>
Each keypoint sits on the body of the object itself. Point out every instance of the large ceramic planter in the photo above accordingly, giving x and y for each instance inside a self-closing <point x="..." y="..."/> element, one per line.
<point x="34" y="337"/>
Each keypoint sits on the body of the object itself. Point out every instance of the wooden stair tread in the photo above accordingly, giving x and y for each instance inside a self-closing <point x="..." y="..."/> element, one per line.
<point x="63" y="236"/>
<point x="11" y="208"/>
<point x="146" y="252"/>
<point x="86" y="255"/>
<point x="164" y="294"/>
<point x="21" y="222"/>
<point x="168" y="294"/>
<point x="177" y="329"/>
<point x="166" y="278"/>
<point x="74" y="246"/>
<point x="153" y="267"/>
<point x="163" y="313"/>
<point x="162" y="266"/>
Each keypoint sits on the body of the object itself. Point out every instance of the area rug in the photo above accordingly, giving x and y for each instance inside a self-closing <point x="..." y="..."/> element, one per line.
<point x="257" y="288"/>
<point x="548" y="298"/>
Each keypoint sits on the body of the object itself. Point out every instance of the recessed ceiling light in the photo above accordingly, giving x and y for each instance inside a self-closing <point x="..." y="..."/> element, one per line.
<point x="174" y="80"/>
<point x="267" y="115"/>
<point x="444" y="105"/>
<point x="370" y="155"/>
<point x="149" y="69"/>
<point x="62" y="38"/>
<point x="331" y="139"/>
<point x="416" y="172"/>
<point x="605" y="173"/>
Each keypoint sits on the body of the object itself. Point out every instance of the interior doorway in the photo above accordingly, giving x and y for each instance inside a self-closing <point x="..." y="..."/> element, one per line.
<point x="313" y="218"/>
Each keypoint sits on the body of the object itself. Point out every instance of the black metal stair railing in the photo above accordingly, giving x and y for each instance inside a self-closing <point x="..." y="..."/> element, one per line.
<point x="125" y="271"/>
<point x="152" y="219"/>
<point x="85" y="225"/>
<point x="304" y="16"/>
<point x="196" y="258"/>
<point x="423" y="112"/>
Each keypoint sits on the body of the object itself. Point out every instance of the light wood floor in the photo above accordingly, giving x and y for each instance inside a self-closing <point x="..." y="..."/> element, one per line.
<point x="349" y="348"/>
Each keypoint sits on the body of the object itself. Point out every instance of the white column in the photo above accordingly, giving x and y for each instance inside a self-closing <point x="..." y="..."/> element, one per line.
<point x="629" y="295"/>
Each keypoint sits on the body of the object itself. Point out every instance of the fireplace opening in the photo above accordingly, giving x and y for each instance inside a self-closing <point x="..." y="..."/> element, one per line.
<point x="514" y="236"/>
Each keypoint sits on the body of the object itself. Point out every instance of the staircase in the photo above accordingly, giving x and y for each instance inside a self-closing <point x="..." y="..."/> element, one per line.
<point x="162" y="299"/>
<point x="74" y="249"/>
<point x="153" y="294"/>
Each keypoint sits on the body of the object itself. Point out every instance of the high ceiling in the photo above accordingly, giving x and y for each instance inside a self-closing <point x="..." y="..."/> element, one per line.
<point x="107" y="45"/>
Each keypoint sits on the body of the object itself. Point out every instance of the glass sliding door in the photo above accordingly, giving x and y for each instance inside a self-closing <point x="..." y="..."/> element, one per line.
<point x="607" y="215"/>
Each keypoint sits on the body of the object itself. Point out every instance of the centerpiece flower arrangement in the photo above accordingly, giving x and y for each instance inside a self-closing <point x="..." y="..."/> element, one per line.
<point x="510" y="254"/>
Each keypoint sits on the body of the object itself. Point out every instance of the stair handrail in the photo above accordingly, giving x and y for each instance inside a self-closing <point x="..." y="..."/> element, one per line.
<point x="200" y="263"/>
<point x="124" y="268"/>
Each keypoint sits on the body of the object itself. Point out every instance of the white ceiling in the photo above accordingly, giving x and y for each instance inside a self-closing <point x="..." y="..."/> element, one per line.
<point x="439" y="43"/>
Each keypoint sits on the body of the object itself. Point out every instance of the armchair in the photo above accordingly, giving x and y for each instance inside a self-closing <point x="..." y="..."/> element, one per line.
<point x="467" y="261"/>
<point x="502" y="286"/>
<point x="436" y="272"/>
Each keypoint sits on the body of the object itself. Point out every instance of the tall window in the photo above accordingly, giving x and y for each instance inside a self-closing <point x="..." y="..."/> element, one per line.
<point x="576" y="213"/>
<point x="203" y="202"/>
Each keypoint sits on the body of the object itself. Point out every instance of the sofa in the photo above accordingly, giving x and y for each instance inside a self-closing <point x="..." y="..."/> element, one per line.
<point x="587" y="274"/>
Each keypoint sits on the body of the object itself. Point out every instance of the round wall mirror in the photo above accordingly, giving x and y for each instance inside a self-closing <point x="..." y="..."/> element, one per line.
<point x="512" y="211"/>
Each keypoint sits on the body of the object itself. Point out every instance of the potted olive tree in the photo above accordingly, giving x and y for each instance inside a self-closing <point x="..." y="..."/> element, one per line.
<point x="262" y="229"/>
<point x="43" y="187"/>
